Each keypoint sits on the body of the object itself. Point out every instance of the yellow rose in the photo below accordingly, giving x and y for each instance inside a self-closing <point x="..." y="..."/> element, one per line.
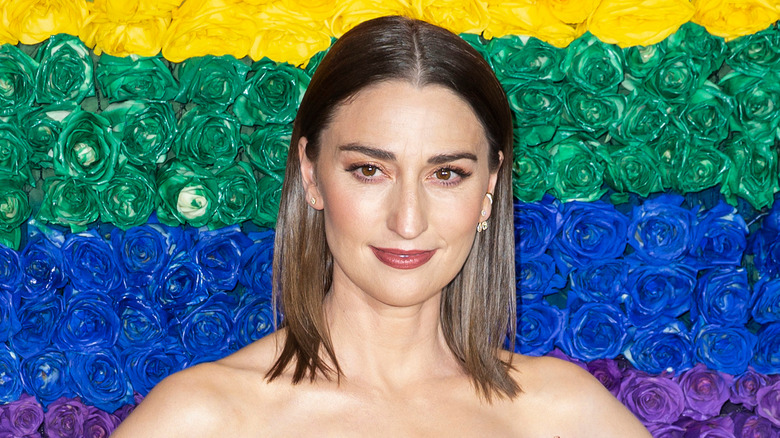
<point x="529" y="18"/>
<point x="36" y="20"/>
<point x="288" y="36"/>
<point x="210" y="27"/>
<point x="734" y="18"/>
<point x="638" y="23"/>
<point x="349" y="13"/>
<point x="316" y="11"/>
<point x="572" y="11"/>
<point x="459" y="16"/>
<point x="8" y="35"/>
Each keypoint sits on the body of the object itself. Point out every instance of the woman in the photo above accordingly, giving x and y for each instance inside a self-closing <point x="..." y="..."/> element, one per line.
<point x="394" y="265"/>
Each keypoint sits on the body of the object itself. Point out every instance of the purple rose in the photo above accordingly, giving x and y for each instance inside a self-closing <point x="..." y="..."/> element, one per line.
<point x="21" y="417"/>
<point x="747" y="425"/>
<point x="721" y="427"/>
<point x="768" y="403"/>
<point x="608" y="373"/>
<point x="745" y="387"/>
<point x="706" y="392"/>
<point x="99" y="424"/>
<point x="659" y="430"/>
<point x="128" y="409"/>
<point x="653" y="399"/>
<point x="65" y="418"/>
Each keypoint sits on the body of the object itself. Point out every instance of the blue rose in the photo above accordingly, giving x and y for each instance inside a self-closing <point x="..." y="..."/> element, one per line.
<point x="726" y="349"/>
<point x="539" y="328"/>
<point x="590" y="231"/>
<point x="720" y="237"/>
<point x="536" y="224"/>
<point x="99" y="379"/>
<point x="218" y="252"/>
<point x="37" y="319"/>
<point x="46" y="375"/>
<point x="41" y="263"/>
<point x="658" y="349"/>
<point x="765" y="244"/>
<point x="206" y="330"/>
<point x="722" y="297"/>
<point x="257" y="263"/>
<point x="142" y="252"/>
<point x="661" y="231"/>
<point x="147" y="365"/>
<point x="595" y="331"/>
<point x="140" y="322"/>
<point x="10" y="382"/>
<point x="537" y="278"/>
<point x="89" y="263"/>
<point x="9" y="324"/>
<point x="180" y="284"/>
<point x="766" y="359"/>
<point x="89" y="323"/>
<point x="600" y="281"/>
<point x="10" y="271"/>
<point x="254" y="319"/>
<point x="766" y="301"/>
<point x="658" y="292"/>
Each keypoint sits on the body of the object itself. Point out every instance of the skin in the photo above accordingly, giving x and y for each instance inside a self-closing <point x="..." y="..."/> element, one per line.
<point x="399" y="377"/>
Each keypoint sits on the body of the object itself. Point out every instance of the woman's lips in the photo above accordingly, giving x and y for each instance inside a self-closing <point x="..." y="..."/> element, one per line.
<point x="402" y="259"/>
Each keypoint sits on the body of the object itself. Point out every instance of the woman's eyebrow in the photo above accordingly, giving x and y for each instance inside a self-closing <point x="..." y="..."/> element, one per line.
<point x="381" y="154"/>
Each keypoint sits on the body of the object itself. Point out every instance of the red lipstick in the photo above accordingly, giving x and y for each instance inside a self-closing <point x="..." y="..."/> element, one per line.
<point x="402" y="259"/>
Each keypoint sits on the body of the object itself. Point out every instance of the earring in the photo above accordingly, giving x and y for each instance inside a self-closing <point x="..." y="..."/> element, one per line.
<point x="490" y="197"/>
<point x="484" y="213"/>
<point x="313" y="201"/>
<point x="482" y="226"/>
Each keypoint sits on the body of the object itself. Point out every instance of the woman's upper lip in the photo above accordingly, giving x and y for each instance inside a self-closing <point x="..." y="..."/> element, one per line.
<point x="403" y="252"/>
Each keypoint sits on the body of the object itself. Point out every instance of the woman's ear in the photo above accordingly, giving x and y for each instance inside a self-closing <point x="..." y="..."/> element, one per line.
<point x="487" y="203"/>
<point x="308" y="177"/>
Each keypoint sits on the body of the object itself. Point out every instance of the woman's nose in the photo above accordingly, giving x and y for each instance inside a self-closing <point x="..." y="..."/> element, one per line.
<point x="407" y="216"/>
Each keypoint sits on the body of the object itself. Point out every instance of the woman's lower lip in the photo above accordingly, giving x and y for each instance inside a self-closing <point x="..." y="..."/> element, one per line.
<point x="399" y="259"/>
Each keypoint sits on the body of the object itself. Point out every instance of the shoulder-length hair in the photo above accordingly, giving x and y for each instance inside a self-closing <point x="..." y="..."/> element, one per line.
<point x="478" y="305"/>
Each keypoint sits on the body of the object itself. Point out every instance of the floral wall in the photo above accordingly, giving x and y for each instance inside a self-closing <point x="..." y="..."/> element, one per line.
<point x="142" y="147"/>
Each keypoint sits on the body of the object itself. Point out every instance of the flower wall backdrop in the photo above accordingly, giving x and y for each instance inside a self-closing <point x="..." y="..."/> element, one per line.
<point x="142" y="147"/>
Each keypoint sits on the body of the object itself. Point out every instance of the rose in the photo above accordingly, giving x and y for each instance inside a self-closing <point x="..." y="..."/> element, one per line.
<point x="720" y="237"/>
<point x="522" y="58"/>
<point x="659" y="430"/>
<point x="218" y="252"/>
<point x="602" y="281"/>
<point x="141" y="322"/>
<point x="766" y="357"/>
<point x="35" y="22"/>
<point x="254" y="319"/>
<point x="633" y="169"/>
<point x="237" y="198"/>
<point x="747" y="425"/>
<point x="267" y="148"/>
<point x="536" y="225"/>
<point x="619" y="22"/>
<point x="38" y="319"/>
<point x="593" y="65"/>
<point x="140" y="32"/>
<point x="17" y="73"/>
<point x="147" y="364"/>
<point x="537" y="278"/>
<point x="768" y="403"/>
<point x="180" y="284"/>
<point x="86" y="149"/>
<point x="578" y="166"/>
<point x="208" y="139"/>
<point x="270" y="193"/>
<point x="722" y="297"/>
<point x="765" y="305"/>
<point x="99" y="424"/>
<point x="660" y="230"/>
<point x="129" y="197"/>
<point x="718" y="427"/>
<point x="41" y="264"/>
<point x="765" y="245"/>
<point x="753" y="170"/>
<point x="348" y="13"/>
<point x="89" y="263"/>
<point x="65" y="72"/>
<point x="707" y="114"/>
<point x="22" y="417"/>
<point x="142" y="252"/>
<point x="186" y="193"/>
<point x="755" y="54"/>
<point x="704" y="167"/>
<point x="539" y="326"/>
<point x="135" y="77"/>
<point x="530" y="173"/>
<point x="289" y="33"/>
<point x="46" y="375"/>
<point x="272" y="94"/>
<point x="653" y="399"/>
<point x="211" y="82"/>
<point x="642" y="59"/>
<point x="88" y="325"/>
<point x="14" y="206"/>
<point x="99" y="379"/>
<point x="206" y="330"/>
<point x="671" y="148"/>
<point x="9" y="324"/>
<point x="726" y="349"/>
<point x="595" y="331"/>
<point x="608" y="373"/>
<point x="657" y="349"/>
<point x="145" y="129"/>
<point x="643" y="121"/>
<point x="65" y="418"/>
<point x="745" y="387"/>
<point x="674" y="79"/>
<point x="706" y="51"/>
<point x="10" y="270"/>
<point x="592" y="113"/>
<point x="11" y="384"/>
<point x="537" y="107"/>
<point x="731" y="19"/>
<point x="458" y="16"/>
<point x="757" y="101"/>
<point x="14" y="154"/>
<point x="658" y="292"/>
<point x="257" y="262"/>
<point x="589" y="232"/>
<point x="41" y="127"/>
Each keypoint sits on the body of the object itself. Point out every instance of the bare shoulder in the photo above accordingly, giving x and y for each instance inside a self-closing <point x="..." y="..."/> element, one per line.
<point x="571" y="399"/>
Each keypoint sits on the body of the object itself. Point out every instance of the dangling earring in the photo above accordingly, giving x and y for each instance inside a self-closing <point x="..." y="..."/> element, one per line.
<point x="482" y="226"/>
<point x="313" y="200"/>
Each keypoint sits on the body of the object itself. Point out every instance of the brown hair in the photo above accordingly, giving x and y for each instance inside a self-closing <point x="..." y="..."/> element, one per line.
<point x="478" y="306"/>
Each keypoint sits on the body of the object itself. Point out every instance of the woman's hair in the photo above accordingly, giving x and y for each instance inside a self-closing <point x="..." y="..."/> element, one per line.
<point x="478" y="305"/>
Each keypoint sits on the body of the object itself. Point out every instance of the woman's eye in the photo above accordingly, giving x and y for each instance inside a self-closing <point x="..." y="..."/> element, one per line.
<point x="444" y="174"/>
<point x="368" y="170"/>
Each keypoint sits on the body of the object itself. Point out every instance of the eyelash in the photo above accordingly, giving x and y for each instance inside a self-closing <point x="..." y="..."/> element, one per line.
<point x="460" y="174"/>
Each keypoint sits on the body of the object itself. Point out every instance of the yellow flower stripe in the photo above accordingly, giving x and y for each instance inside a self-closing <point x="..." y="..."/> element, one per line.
<point x="294" y="30"/>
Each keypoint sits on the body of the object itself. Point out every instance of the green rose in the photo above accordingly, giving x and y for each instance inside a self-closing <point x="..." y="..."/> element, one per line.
<point x="186" y="193"/>
<point x="87" y="149"/>
<point x="237" y="198"/>
<point x="272" y="94"/>
<point x="17" y="80"/>
<point x="14" y="205"/>
<point x="66" y="72"/>
<point x="269" y="192"/>
<point x="14" y="154"/>
<point x="643" y="120"/>
<point x="674" y="79"/>
<point x="706" y="51"/>
<point x="522" y="58"/>
<point x="129" y="197"/>
<point x="41" y="126"/>
<point x="594" y="66"/>
<point x="704" y="167"/>
<point x="537" y="106"/>
<point x="757" y="102"/>
<point x="145" y="129"/>
<point x="640" y="60"/>
<point x="67" y="201"/>
<point x="671" y="148"/>
<point x="707" y="114"/>
<point x="756" y="54"/>
<point x="578" y="167"/>
<point x="753" y="175"/>
<point x="531" y="173"/>
<point x="267" y="149"/>
<point x="135" y="77"/>
<point x="207" y="138"/>
<point x="633" y="169"/>
<point x="11" y="239"/>
<point x="593" y="113"/>
<point x="211" y="82"/>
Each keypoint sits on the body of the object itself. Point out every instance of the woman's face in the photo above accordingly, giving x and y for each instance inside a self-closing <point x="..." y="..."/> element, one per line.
<point x="401" y="178"/>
